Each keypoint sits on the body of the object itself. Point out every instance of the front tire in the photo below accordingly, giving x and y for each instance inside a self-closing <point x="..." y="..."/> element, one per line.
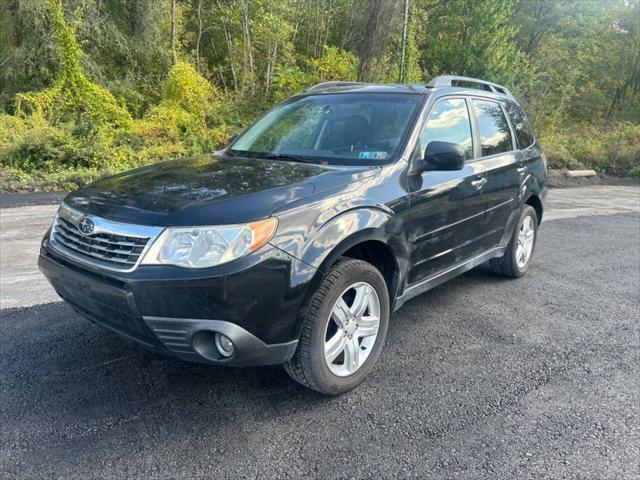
<point x="343" y="330"/>
<point x="517" y="258"/>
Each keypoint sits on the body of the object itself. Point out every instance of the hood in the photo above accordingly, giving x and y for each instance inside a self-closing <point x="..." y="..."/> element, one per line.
<point x="207" y="189"/>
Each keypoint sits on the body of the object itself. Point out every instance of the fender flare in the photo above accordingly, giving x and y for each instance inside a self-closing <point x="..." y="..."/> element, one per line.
<point x="345" y="231"/>
<point x="340" y="234"/>
<point x="530" y="186"/>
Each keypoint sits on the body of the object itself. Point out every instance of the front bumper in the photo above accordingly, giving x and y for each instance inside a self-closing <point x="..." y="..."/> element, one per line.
<point x="176" y="312"/>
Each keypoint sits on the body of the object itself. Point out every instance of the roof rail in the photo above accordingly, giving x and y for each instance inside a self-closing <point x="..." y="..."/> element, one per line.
<point x="327" y="85"/>
<point x="451" y="80"/>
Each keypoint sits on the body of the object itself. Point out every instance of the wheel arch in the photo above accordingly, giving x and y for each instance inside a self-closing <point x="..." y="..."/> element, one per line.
<point x="534" y="201"/>
<point x="373" y="251"/>
<point x="364" y="234"/>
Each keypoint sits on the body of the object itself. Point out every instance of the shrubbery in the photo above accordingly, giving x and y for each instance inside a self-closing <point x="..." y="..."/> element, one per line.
<point x="334" y="64"/>
<point x="613" y="151"/>
<point x="75" y="129"/>
<point x="67" y="144"/>
<point x="45" y="148"/>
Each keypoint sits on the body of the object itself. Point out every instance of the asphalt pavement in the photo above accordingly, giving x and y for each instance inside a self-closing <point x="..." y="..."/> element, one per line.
<point x="482" y="377"/>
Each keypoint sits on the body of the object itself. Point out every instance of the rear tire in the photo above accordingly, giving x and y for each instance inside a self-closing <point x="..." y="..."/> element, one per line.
<point x="517" y="258"/>
<point x="343" y="330"/>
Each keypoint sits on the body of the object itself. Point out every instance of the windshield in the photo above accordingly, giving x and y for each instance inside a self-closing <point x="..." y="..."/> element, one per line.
<point x="340" y="128"/>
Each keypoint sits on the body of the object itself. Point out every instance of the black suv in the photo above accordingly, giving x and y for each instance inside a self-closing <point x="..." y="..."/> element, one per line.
<point x="295" y="243"/>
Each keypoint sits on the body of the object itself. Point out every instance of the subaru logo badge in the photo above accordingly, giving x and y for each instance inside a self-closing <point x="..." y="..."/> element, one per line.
<point x="86" y="226"/>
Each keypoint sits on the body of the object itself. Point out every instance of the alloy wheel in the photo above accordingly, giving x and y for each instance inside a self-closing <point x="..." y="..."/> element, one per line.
<point x="524" y="247"/>
<point x="352" y="329"/>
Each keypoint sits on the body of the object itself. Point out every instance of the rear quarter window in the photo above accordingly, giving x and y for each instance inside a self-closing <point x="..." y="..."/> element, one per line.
<point x="521" y="125"/>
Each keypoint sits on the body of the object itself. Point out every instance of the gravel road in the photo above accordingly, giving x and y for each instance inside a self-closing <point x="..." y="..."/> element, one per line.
<point x="480" y="378"/>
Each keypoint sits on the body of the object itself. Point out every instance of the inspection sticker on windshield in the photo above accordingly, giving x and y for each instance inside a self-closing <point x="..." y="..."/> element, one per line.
<point x="373" y="155"/>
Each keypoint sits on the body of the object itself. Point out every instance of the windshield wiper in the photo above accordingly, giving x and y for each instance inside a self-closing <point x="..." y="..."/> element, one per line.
<point x="290" y="158"/>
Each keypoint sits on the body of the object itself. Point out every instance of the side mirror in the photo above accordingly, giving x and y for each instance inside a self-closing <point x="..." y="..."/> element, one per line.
<point x="443" y="156"/>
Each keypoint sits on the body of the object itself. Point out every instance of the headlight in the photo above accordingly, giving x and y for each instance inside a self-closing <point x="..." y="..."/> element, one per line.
<point x="202" y="247"/>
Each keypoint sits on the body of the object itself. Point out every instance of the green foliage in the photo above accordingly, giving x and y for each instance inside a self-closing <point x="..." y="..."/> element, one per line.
<point x="290" y="80"/>
<point x="413" y="69"/>
<point x="335" y="64"/>
<point x="181" y="116"/>
<point x="37" y="147"/>
<point x="124" y="45"/>
<point x="91" y="135"/>
<point x="584" y="55"/>
<point x="474" y="39"/>
<point x="72" y="94"/>
<point x="614" y="150"/>
<point x="104" y="91"/>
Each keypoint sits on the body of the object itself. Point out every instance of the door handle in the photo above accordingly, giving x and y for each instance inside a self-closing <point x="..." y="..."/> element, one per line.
<point x="521" y="169"/>
<point x="478" y="184"/>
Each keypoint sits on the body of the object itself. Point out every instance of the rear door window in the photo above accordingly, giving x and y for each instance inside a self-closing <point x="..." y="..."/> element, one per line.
<point x="495" y="134"/>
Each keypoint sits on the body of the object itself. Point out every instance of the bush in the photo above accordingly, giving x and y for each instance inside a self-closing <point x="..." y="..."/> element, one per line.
<point x="334" y="64"/>
<point x="72" y="94"/>
<point x="16" y="180"/>
<point x="181" y="116"/>
<point x="613" y="150"/>
<point x="75" y="131"/>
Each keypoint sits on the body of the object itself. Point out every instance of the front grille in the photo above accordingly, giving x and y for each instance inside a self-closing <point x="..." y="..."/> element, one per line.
<point x="107" y="249"/>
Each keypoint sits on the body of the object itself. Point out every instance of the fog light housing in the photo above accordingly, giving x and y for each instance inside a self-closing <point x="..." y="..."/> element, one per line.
<point x="224" y="345"/>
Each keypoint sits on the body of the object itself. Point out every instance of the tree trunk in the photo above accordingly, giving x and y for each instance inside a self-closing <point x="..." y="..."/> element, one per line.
<point x="173" y="31"/>
<point x="381" y="19"/>
<point x="229" y="42"/>
<point x="248" y="52"/>
<point x="619" y="94"/>
<point x="199" y="41"/>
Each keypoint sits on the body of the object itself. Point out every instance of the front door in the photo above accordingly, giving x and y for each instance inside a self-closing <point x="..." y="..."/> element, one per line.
<point x="447" y="208"/>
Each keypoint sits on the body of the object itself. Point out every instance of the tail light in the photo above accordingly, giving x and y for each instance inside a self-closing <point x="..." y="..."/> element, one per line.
<point x="544" y="160"/>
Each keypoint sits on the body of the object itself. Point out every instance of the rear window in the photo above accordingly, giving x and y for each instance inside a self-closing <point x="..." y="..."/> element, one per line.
<point x="495" y="134"/>
<point x="522" y="127"/>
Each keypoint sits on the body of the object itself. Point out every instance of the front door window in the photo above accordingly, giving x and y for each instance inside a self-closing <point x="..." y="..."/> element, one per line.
<point x="448" y="122"/>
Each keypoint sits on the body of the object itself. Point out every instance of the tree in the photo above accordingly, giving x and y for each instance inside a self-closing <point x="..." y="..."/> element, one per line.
<point x="470" y="38"/>
<point x="373" y="35"/>
<point x="72" y="94"/>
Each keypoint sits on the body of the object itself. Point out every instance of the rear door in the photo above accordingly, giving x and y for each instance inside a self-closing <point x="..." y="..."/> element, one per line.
<point x="447" y="208"/>
<point x="502" y="164"/>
